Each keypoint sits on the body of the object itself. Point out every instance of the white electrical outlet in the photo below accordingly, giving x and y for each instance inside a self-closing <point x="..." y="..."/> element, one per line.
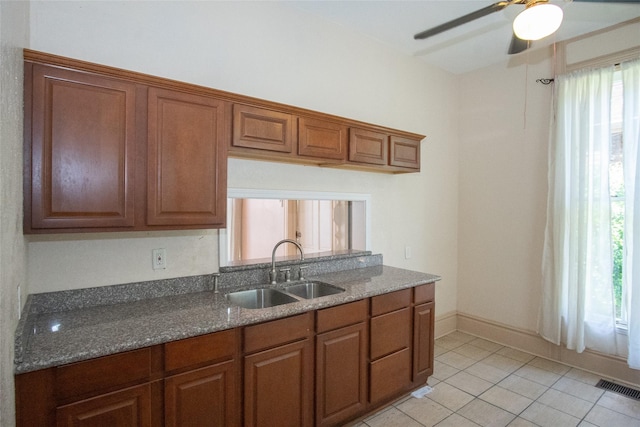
<point x="159" y="259"/>
<point x="407" y="252"/>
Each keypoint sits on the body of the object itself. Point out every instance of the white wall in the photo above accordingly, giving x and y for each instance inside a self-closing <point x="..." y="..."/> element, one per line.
<point x="275" y="52"/>
<point x="504" y="119"/>
<point x="14" y="35"/>
<point x="502" y="191"/>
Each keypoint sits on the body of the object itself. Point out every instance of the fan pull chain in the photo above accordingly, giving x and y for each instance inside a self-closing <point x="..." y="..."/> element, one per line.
<point x="526" y="91"/>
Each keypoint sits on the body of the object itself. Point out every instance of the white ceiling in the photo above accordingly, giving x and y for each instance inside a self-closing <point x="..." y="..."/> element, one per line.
<point x="474" y="45"/>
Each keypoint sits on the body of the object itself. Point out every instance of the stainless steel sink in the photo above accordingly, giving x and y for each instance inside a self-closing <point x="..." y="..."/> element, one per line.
<point x="312" y="289"/>
<point x="259" y="298"/>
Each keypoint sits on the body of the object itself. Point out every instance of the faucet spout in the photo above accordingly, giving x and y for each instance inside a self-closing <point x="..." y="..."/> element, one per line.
<point x="272" y="273"/>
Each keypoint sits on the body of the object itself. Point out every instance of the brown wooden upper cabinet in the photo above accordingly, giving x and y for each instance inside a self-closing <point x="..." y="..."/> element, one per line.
<point x="382" y="149"/>
<point x="185" y="162"/>
<point x="404" y="152"/>
<point x="80" y="163"/>
<point x="113" y="150"/>
<point x="367" y="146"/>
<point x="262" y="129"/>
<point x="322" y="138"/>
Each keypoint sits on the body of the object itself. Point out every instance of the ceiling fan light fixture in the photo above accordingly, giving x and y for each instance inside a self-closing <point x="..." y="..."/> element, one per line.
<point x="537" y="21"/>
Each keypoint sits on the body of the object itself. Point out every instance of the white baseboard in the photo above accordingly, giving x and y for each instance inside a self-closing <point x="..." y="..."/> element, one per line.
<point x="609" y="367"/>
<point x="446" y="323"/>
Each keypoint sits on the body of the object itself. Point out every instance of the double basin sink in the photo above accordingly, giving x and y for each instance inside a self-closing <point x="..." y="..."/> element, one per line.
<point x="269" y="297"/>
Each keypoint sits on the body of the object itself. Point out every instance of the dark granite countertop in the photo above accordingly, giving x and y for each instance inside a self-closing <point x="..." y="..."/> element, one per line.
<point x="52" y="338"/>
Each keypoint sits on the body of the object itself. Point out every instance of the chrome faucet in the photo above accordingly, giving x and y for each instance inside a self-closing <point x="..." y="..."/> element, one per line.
<point x="272" y="273"/>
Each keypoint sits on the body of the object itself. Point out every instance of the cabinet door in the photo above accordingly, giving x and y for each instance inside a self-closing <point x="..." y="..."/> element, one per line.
<point x="366" y="146"/>
<point x="82" y="150"/>
<point x="262" y="129"/>
<point x="126" y="408"/>
<point x="278" y="386"/>
<point x="423" y="324"/>
<point x="341" y="374"/>
<point x="204" y="397"/>
<point x="404" y="152"/>
<point x="322" y="139"/>
<point x="390" y="375"/>
<point x="186" y="182"/>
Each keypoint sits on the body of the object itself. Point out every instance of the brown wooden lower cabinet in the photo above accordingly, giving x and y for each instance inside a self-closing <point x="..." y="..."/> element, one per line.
<point x="423" y="323"/>
<point x="365" y="354"/>
<point x="278" y="372"/>
<point x="390" y="348"/>
<point x="277" y="385"/>
<point x="341" y="363"/>
<point x="128" y="407"/>
<point x="203" y="397"/>
<point x="390" y="375"/>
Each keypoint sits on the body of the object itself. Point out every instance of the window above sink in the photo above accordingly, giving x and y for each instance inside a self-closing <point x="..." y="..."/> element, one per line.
<point x="322" y="222"/>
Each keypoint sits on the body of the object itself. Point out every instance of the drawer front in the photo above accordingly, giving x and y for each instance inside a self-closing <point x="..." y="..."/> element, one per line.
<point x="202" y="397"/>
<point x="199" y="350"/>
<point x="424" y="293"/>
<point x="390" y="375"/>
<point x="277" y="332"/>
<point x="128" y="407"/>
<point x="390" y="332"/>
<point x="390" y="302"/>
<point x="342" y="315"/>
<point x="104" y="373"/>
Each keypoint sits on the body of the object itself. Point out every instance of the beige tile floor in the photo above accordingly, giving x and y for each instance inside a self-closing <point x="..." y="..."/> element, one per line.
<point x="480" y="383"/>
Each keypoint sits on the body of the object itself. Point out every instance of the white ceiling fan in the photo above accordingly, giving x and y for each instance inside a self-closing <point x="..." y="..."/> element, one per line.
<point x="539" y="19"/>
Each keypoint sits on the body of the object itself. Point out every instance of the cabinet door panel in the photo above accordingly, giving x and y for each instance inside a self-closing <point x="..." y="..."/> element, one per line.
<point x="423" y="324"/>
<point x="262" y="129"/>
<point x="390" y="375"/>
<point x="321" y="138"/>
<point x="186" y="159"/>
<point x="277" y="386"/>
<point x="404" y="152"/>
<point x="126" y="408"/>
<point x="367" y="146"/>
<point x="82" y="150"/>
<point x="341" y="377"/>
<point x="204" y="397"/>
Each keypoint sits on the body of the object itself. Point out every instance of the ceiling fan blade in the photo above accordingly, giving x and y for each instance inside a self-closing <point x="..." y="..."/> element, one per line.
<point x="517" y="45"/>
<point x="462" y="20"/>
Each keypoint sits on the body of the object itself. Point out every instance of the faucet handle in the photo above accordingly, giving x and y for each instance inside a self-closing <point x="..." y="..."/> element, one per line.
<point x="287" y="274"/>
<point x="302" y="268"/>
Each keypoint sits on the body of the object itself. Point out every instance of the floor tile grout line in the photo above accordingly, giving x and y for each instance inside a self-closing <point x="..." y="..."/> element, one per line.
<point x="528" y="363"/>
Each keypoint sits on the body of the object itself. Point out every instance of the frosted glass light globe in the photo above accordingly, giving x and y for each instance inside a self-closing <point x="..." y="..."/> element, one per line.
<point x="537" y="21"/>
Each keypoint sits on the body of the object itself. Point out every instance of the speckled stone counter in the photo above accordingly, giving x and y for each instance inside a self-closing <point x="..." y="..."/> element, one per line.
<point x="51" y="334"/>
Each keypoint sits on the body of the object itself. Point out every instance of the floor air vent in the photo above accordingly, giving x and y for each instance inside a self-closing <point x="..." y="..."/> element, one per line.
<point x="617" y="388"/>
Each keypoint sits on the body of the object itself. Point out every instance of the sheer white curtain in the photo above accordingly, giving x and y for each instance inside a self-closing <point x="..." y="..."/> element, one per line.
<point x="631" y="135"/>
<point x="577" y="301"/>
